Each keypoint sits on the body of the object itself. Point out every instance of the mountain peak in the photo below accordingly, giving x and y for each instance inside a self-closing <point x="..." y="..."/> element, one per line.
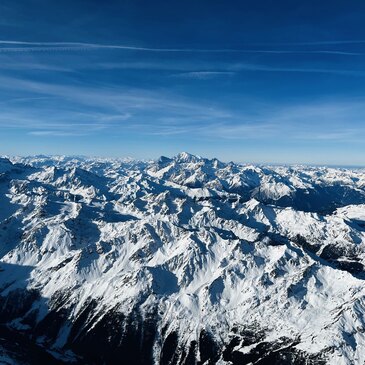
<point x="184" y="157"/>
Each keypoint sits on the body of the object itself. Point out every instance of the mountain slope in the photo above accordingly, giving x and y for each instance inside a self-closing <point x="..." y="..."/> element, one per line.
<point x="182" y="260"/>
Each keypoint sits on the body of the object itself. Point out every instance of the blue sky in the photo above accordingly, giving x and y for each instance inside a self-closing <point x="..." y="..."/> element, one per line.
<point x="249" y="81"/>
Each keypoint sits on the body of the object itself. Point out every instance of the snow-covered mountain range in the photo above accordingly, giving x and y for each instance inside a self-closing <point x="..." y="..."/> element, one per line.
<point x="182" y="260"/>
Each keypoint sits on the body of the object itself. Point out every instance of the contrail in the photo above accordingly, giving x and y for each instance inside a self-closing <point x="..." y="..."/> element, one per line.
<point x="319" y="43"/>
<point x="80" y="46"/>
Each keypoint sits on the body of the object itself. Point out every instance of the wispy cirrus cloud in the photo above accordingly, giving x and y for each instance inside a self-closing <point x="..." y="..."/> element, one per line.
<point x="181" y="66"/>
<point x="54" y="133"/>
<point x="120" y="100"/>
<point x="328" y="42"/>
<point x="314" y="122"/>
<point x="202" y="75"/>
<point x="11" y="46"/>
<point x="47" y="109"/>
<point x="181" y="69"/>
<point x="56" y="109"/>
<point x="242" y="67"/>
<point x="208" y="69"/>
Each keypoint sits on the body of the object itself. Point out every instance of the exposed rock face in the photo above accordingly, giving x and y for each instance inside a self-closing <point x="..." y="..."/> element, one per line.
<point x="182" y="260"/>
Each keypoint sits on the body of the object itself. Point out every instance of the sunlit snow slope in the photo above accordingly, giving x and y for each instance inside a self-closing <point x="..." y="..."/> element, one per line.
<point x="180" y="261"/>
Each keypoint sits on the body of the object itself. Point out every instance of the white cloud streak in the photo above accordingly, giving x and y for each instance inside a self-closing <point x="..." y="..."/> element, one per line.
<point x="202" y="75"/>
<point x="265" y="68"/>
<point x="20" y="46"/>
<point x="114" y="110"/>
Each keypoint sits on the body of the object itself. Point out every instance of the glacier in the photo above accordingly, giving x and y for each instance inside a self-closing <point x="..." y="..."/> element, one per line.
<point x="181" y="260"/>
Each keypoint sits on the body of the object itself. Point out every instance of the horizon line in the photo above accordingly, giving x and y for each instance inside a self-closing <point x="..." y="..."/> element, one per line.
<point x="146" y="160"/>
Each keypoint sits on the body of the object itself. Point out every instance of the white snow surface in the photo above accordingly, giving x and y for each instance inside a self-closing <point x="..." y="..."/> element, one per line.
<point x="211" y="245"/>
